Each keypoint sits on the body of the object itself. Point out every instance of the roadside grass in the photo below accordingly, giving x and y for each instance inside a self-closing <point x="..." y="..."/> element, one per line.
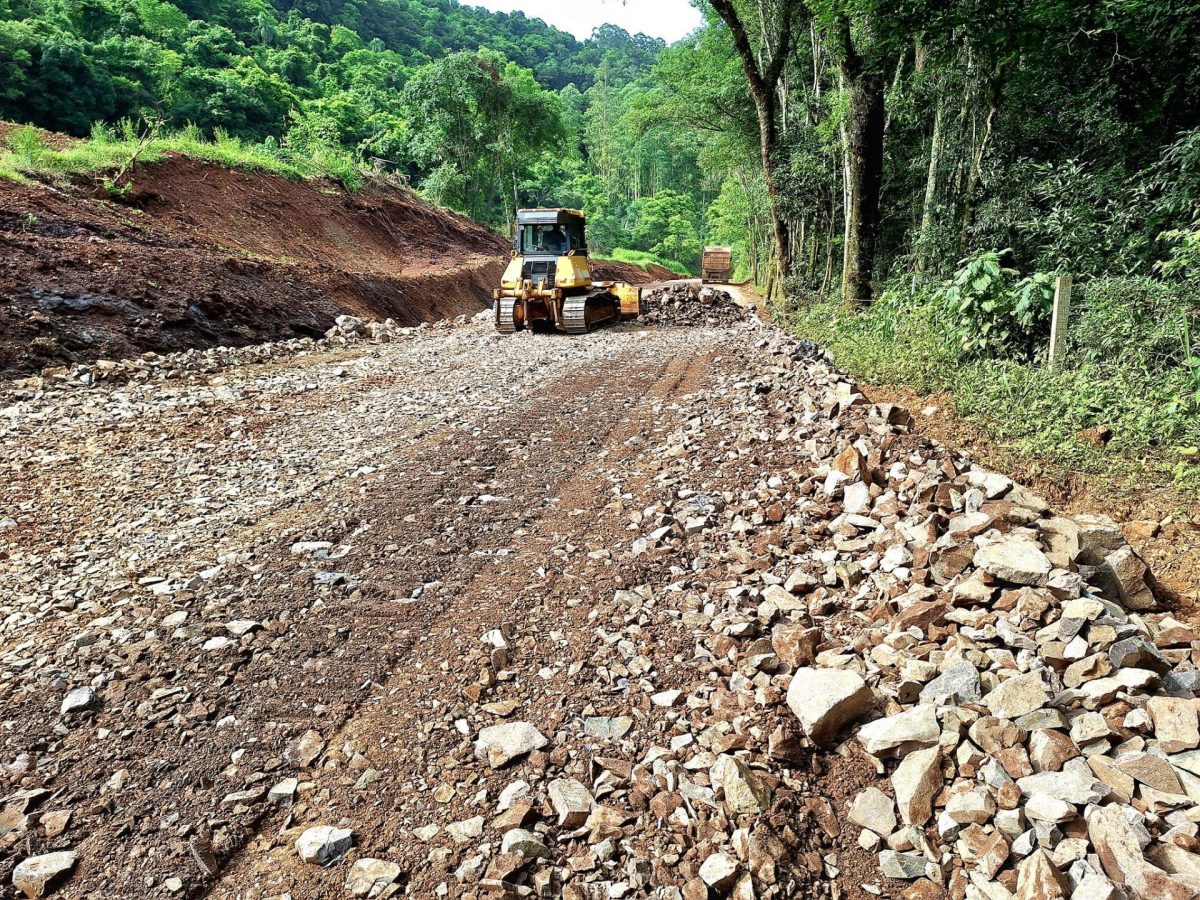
<point x="645" y="260"/>
<point x="1033" y="412"/>
<point x="26" y="155"/>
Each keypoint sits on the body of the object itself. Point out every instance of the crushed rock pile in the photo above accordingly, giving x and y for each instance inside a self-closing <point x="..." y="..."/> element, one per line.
<point x="346" y="330"/>
<point x="349" y="329"/>
<point x="1032" y="720"/>
<point x="683" y="303"/>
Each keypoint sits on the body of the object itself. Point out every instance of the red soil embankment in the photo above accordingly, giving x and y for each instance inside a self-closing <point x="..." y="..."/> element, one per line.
<point x="195" y="255"/>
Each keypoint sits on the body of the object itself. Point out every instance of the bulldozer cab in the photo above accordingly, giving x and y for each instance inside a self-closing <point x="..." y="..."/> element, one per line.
<point x="550" y="232"/>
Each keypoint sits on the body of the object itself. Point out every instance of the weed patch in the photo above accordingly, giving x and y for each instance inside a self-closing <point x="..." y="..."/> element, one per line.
<point x="1141" y="395"/>
<point x="25" y="155"/>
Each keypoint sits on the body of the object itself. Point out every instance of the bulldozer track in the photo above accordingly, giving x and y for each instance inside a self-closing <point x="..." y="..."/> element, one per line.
<point x="506" y="321"/>
<point x="582" y="314"/>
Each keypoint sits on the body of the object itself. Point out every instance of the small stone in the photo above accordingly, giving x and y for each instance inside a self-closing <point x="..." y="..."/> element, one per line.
<point x="503" y="743"/>
<point x="1072" y="785"/>
<point x="1137" y="653"/>
<point x="38" y="876"/>
<point x="54" y="823"/>
<point x="1017" y="696"/>
<point x="1175" y="723"/>
<point x="917" y="780"/>
<point x="324" y="844"/>
<point x="972" y="807"/>
<point x="1151" y="770"/>
<point x="958" y="684"/>
<point x="304" y="750"/>
<point x="572" y="802"/>
<point x="1039" y="879"/>
<point x="1089" y="727"/>
<point x="666" y="699"/>
<point x="526" y="844"/>
<point x="902" y="865"/>
<point x="914" y="727"/>
<point x="825" y="700"/>
<point x="465" y="831"/>
<point x="79" y="700"/>
<point x="610" y="728"/>
<point x="1015" y="560"/>
<point x="1122" y="576"/>
<point x="745" y="792"/>
<point x="1049" y="750"/>
<point x="284" y="793"/>
<point x="874" y="810"/>
<point x="369" y="877"/>
<point x="719" y="871"/>
<point x="1044" y="808"/>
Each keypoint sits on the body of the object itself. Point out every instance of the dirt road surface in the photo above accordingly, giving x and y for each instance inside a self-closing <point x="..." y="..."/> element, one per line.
<point x="465" y="616"/>
<point x="319" y="545"/>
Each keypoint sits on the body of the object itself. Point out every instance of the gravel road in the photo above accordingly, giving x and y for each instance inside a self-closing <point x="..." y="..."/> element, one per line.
<point x="466" y="616"/>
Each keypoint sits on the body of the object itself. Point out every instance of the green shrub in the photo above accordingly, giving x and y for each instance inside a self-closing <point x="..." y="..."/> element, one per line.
<point x="26" y="147"/>
<point x="988" y="313"/>
<point x="907" y="339"/>
<point x="1129" y="323"/>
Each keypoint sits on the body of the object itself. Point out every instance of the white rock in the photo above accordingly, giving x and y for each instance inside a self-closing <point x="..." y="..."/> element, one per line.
<point x="1018" y="696"/>
<point x="527" y="844"/>
<point x="718" y="871"/>
<point x="324" y="844"/>
<point x="369" y="877"/>
<point x="78" y="700"/>
<point x="917" y="780"/>
<point x="916" y="726"/>
<point x="1015" y="560"/>
<point x="502" y="743"/>
<point x="37" y="876"/>
<point x="825" y="700"/>
<point x="873" y="809"/>
<point x="571" y="801"/>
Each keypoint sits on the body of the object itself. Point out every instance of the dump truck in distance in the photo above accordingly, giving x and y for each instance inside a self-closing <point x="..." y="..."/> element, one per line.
<point x="717" y="265"/>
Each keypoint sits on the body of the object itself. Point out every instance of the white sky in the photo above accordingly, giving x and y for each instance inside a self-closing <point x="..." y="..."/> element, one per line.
<point x="668" y="19"/>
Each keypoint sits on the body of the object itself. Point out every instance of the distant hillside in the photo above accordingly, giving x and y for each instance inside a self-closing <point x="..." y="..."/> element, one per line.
<point x="248" y="66"/>
<point x="433" y="28"/>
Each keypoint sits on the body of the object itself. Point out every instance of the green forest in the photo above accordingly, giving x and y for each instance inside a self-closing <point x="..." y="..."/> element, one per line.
<point x="483" y="112"/>
<point x="905" y="180"/>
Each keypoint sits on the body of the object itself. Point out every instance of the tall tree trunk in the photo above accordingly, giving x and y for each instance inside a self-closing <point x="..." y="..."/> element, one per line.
<point x="925" y="235"/>
<point x="764" y="71"/>
<point x="768" y="147"/>
<point x="995" y="89"/>
<point x="864" y="155"/>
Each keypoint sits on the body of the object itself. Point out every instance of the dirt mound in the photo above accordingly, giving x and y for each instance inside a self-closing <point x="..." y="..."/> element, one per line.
<point x="608" y="270"/>
<point x="51" y="139"/>
<point x="197" y="256"/>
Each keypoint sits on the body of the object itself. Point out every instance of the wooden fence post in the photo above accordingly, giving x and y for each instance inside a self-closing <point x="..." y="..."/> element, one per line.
<point x="1060" y="320"/>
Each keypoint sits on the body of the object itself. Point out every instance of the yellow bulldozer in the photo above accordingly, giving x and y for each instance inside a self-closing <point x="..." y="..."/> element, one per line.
<point x="548" y="285"/>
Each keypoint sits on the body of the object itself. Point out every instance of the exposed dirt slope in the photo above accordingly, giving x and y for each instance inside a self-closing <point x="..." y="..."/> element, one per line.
<point x="196" y="255"/>
<point x="608" y="270"/>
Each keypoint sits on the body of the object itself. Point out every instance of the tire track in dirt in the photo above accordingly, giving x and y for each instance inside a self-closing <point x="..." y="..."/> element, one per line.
<point x="450" y="630"/>
<point x="207" y="725"/>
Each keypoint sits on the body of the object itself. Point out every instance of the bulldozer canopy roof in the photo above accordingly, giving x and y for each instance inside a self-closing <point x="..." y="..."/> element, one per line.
<point x="548" y="216"/>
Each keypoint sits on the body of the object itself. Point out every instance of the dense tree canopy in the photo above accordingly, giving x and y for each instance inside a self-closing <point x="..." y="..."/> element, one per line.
<point x="483" y="111"/>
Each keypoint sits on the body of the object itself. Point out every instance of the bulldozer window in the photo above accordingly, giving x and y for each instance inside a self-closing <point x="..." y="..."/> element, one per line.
<point x="555" y="239"/>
